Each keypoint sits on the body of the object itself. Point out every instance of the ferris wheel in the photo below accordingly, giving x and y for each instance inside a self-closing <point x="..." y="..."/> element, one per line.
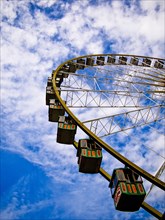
<point x="112" y="99"/>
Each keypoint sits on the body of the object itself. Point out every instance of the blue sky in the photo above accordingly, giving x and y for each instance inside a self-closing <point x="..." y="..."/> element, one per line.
<point x="39" y="178"/>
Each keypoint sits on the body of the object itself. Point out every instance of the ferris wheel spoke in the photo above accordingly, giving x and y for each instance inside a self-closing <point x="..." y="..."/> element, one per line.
<point x="152" y="74"/>
<point x="139" y="82"/>
<point x="155" y="73"/>
<point x="81" y="83"/>
<point x="111" y="76"/>
<point x="148" y="79"/>
<point x="104" y="98"/>
<point x="100" y="99"/>
<point x="157" y="175"/>
<point x="108" y="125"/>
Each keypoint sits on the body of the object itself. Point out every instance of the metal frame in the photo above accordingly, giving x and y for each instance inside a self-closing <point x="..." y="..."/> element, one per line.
<point x="112" y="124"/>
<point x="154" y="180"/>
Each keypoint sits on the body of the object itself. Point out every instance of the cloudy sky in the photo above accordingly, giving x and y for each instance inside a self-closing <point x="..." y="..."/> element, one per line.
<point x="39" y="178"/>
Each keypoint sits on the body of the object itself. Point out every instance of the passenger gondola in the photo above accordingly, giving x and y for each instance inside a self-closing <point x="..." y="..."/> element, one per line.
<point x="90" y="61"/>
<point x="134" y="61"/>
<point x="127" y="190"/>
<point x="64" y="68"/>
<point x="66" y="130"/>
<point x="123" y="60"/>
<point x="58" y="80"/>
<point x="100" y="60"/>
<point x="158" y="64"/>
<point x="55" y="110"/>
<point x="146" y="62"/>
<point x="111" y="60"/>
<point x="72" y="67"/>
<point x="81" y="63"/>
<point x="49" y="81"/>
<point x="64" y="71"/>
<point x="50" y="94"/>
<point x="89" y="155"/>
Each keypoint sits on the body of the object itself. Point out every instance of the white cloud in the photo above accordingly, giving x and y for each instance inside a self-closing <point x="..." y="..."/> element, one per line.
<point x="152" y="6"/>
<point x="128" y="28"/>
<point x="45" y="3"/>
<point x="34" y="45"/>
<point x="8" y="10"/>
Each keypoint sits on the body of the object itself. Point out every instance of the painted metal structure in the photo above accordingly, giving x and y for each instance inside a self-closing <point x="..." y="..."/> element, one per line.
<point x="143" y="77"/>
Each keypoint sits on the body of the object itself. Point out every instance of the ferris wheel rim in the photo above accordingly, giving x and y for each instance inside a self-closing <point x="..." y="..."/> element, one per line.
<point x="111" y="54"/>
<point x="108" y="148"/>
<point x="144" y="205"/>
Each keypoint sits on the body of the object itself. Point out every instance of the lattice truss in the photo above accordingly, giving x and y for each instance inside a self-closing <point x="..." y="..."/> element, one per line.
<point x="127" y="92"/>
<point x="125" y="87"/>
<point x="138" y="91"/>
<point x="124" y="121"/>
